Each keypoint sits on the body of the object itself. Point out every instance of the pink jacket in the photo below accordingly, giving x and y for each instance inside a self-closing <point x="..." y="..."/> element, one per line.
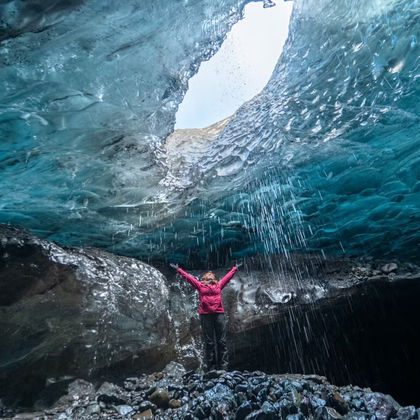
<point x="210" y="294"/>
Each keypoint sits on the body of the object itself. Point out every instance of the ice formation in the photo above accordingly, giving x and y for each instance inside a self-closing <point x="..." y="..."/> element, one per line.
<point x="325" y="158"/>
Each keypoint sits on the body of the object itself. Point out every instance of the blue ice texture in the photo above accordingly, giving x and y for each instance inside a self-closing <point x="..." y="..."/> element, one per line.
<point x="325" y="159"/>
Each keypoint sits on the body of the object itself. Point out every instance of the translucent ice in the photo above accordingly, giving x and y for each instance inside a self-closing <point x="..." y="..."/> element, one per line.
<point x="325" y="158"/>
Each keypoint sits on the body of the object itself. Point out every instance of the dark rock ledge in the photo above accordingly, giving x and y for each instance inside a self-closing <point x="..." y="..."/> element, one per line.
<point x="240" y="395"/>
<point x="74" y="312"/>
<point x="68" y="313"/>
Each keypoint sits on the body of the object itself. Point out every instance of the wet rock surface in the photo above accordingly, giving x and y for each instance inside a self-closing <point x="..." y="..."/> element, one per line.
<point x="352" y="320"/>
<point x="239" y="395"/>
<point x="69" y="313"/>
<point x="76" y="312"/>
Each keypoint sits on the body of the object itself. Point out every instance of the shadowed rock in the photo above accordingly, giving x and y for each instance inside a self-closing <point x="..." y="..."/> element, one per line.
<point x="83" y="312"/>
<point x="76" y="312"/>
<point x="216" y="399"/>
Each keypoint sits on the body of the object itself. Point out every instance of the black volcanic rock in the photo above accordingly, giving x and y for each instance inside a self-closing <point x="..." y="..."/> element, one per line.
<point x="68" y="312"/>
<point x="76" y="312"/>
<point x="110" y="394"/>
<point x="341" y="317"/>
<point x="220" y="401"/>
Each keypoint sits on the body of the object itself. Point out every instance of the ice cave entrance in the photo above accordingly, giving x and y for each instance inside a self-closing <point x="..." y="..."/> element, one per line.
<point x="240" y="69"/>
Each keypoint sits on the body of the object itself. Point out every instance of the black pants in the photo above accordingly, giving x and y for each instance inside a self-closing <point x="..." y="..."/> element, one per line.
<point x="213" y="327"/>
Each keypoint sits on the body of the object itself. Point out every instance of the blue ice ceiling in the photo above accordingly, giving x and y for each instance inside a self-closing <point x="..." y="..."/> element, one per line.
<point x="326" y="158"/>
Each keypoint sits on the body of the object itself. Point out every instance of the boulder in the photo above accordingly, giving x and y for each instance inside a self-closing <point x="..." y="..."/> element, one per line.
<point x="407" y="413"/>
<point x="336" y="401"/>
<point x="218" y="402"/>
<point x="76" y="312"/>
<point x="174" y="403"/>
<point x="160" y="397"/>
<point x="68" y="312"/>
<point x="243" y="410"/>
<point x="111" y="394"/>
<point x="379" y="405"/>
<point x="144" y="415"/>
<point x="389" y="268"/>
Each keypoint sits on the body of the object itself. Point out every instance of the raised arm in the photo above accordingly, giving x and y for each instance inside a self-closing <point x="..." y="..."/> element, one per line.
<point x="190" y="279"/>
<point x="225" y="280"/>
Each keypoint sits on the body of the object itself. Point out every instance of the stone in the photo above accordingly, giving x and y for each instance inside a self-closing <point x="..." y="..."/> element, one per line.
<point x="62" y="294"/>
<point x="336" y="401"/>
<point x="286" y="407"/>
<point x="29" y="416"/>
<point x="243" y="410"/>
<point x="200" y="412"/>
<point x="262" y="415"/>
<point x="298" y="416"/>
<point x="220" y="394"/>
<point x="269" y="410"/>
<point x="212" y="374"/>
<point x="190" y="374"/>
<point x="357" y="403"/>
<point x="379" y="405"/>
<point x="173" y="403"/>
<point x="262" y="394"/>
<point x="326" y="413"/>
<point x="221" y="402"/>
<point x="151" y="390"/>
<point x="407" y="413"/>
<point x="357" y="415"/>
<point x="76" y="390"/>
<point x="394" y="403"/>
<point x="158" y="375"/>
<point x="297" y="386"/>
<point x="317" y="402"/>
<point x="92" y="409"/>
<point x="160" y="397"/>
<point x="389" y="268"/>
<point x="216" y="414"/>
<point x="221" y="411"/>
<point x="132" y="384"/>
<point x="111" y="394"/>
<point x="305" y="406"/>
<point x="296" y="397"/>
<point x="209" y="384"/>
<point x="123" y="410"/>
<point x="81" y="387"/>
<point x="241" y="388"/>
<point x="174" y="388"/>
<point x="144" y="415"/>
<point x="68" y="271"/>
<point x="146" y="405"/>
<point x="240" y="397"/>
<point x="256" y="415"/>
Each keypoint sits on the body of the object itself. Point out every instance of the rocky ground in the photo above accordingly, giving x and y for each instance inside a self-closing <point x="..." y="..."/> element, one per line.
<point x="177" y="394"/>
<point x="68" y="313"/>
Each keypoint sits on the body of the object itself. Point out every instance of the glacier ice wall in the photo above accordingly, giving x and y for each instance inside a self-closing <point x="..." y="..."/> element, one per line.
<point x="326" y="158"/>
<point x="90" y="89"/>
<point x="329" y="151"/>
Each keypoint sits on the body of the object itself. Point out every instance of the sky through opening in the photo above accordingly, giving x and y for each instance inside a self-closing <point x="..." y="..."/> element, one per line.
<point x="240" y="69"/>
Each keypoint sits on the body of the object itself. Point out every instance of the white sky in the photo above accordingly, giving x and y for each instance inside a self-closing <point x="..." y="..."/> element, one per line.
<point x="240" y="69"/>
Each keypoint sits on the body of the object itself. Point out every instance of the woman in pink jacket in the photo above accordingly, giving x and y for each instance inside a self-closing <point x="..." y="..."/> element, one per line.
<point x="212" y="316"/>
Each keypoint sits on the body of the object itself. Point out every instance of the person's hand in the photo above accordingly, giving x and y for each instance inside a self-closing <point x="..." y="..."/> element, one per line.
<point x="238" y="264"/>
<point x="175" y="266"/>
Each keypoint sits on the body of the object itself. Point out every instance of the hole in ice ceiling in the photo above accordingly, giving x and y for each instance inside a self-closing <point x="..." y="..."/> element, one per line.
<point x="240" y="69"/>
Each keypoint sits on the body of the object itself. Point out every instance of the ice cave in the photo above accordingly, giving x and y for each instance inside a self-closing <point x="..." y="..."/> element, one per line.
<point x="313" y="185"/>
